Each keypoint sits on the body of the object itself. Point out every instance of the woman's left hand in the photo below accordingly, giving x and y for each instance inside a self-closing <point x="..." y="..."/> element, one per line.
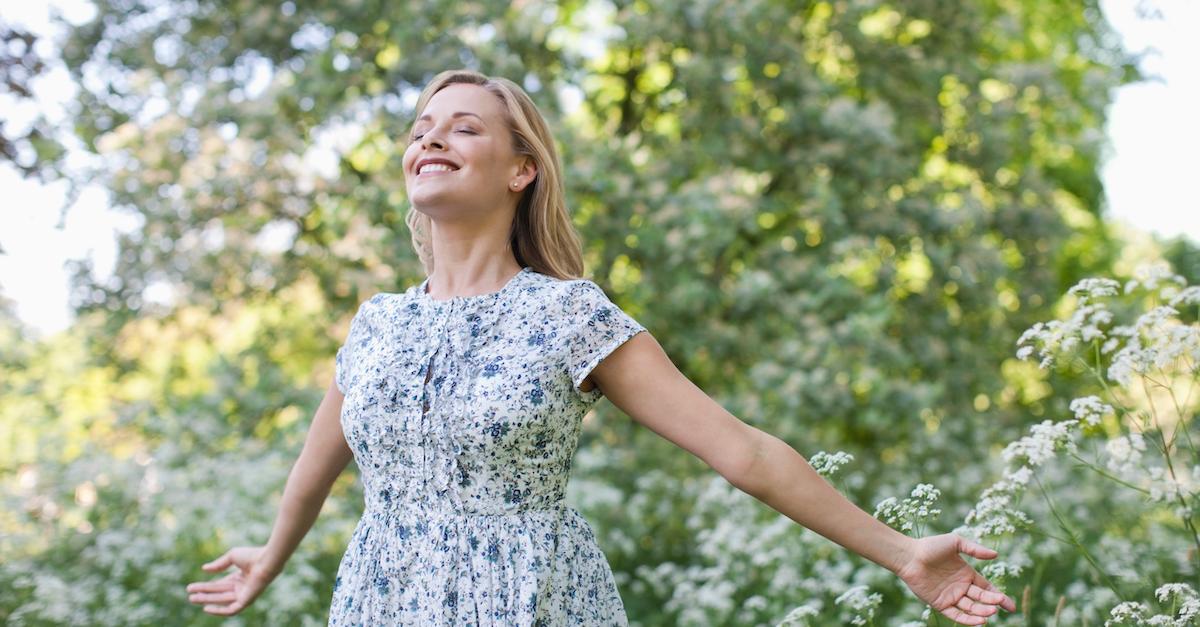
<point x="940" y="578"/>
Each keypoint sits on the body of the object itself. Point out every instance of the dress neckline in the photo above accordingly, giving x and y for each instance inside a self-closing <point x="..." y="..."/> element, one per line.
<point x="510" y="284"/>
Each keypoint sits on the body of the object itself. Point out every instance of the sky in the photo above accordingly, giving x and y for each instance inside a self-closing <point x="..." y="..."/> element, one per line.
<point x="1152" y="127"/>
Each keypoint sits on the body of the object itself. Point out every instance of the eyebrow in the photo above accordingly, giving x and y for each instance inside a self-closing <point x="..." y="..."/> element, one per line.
<point x="456" y="114"/>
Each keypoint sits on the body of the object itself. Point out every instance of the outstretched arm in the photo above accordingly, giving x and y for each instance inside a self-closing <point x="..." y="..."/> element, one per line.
<point x="324" y="456"/>
<point x="640" y="379"/>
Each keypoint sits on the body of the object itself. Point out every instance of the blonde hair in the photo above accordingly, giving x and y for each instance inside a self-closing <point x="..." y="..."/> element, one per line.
<point x="542" y="234"/>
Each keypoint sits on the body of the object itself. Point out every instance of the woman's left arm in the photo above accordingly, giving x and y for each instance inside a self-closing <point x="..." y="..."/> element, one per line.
<point x="640" y="379"/>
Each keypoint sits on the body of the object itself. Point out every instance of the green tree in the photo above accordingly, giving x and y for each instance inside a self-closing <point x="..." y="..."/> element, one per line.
<point x="837" y="217"/>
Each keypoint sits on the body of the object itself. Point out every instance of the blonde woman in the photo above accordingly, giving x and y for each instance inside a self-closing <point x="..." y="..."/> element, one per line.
<point x="460" y="399"/>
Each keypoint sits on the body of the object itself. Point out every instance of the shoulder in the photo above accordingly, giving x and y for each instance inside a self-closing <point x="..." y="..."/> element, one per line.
<point x="370" y="310"/>
<point x="583" y="301"/>
<point x="569" y="292"/>
<point x="381" y="301"/>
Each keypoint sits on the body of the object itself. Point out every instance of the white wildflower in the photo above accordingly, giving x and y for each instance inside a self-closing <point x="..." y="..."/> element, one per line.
<point x="1020" y="476"/>
<point x="862" y="604"/>
<point x="917" y="508"/>
<point x="1155" y="318"/>
<point x="1182" y="590"/>
<point x="1189" y="610"/>
<point x="1000" y="569"/>
<point x="799" y="616"/>
<point x="1188" y="296"/>
<point x="1124" y="452"/>
<point x="1086" y="324"/>
<point x="1094" y="288"/>
<point x="1045" y="438"/>
<point x="1090" y="319"/>
<point x="1088" y="410"/>
<point x="1165" y="340"/>
<point x="1164" y="487"/>
<point x="993" y="514"/>
<point x="826" y="464"/>
<point x="1130" y="360"/>
<point x="1150" y="275"/>
<point x="1125" y="612"/>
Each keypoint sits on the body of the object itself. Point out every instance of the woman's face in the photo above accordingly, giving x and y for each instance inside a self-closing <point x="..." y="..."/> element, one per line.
<point x="462" y="126"/>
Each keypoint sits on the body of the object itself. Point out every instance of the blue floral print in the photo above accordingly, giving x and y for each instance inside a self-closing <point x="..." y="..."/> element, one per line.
<point x="463" y="415"/>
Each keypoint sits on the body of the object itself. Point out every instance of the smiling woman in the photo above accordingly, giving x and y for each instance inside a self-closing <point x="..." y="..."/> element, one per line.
<point x="500" y="153"/>
<point x="461" y="400"/>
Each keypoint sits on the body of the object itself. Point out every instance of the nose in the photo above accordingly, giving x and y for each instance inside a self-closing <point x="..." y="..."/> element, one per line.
<point x="429" y="139"/>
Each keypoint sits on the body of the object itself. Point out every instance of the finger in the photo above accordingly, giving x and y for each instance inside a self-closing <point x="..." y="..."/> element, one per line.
<point x="975" y="549"/>
<point x="213" y="597"/>
<point x="223" y="610"/>
<point x="978" y="609"/>
<point x="962" y="618"/>
<point x="985" y="596"/>
<point x="1008" y="603"/>
<point x="221" y="563"/>
<point x="217" y="585"/>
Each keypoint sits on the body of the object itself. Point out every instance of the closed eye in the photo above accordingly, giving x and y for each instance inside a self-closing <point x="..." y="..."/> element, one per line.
<point x="461" y="130"/>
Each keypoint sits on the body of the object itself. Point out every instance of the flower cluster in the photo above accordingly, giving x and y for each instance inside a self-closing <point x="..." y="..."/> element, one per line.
<point x="799" y="616"/>
<point x="1089" y="410"/>
<point x="826" y="464"/>
<point x="857" y="599"/>
<point x="1124" y="452"/>
<point x="1185" y="608"/>
<point x="1162" y="354"/>
<point x="917" y="508"/>
<point x="1086" y="324"/>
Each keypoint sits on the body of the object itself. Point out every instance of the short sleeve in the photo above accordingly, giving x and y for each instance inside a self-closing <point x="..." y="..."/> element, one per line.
<point x="355" y="339"/>
<point x="598" y="327"/>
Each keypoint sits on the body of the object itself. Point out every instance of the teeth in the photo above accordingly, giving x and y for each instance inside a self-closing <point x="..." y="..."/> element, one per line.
<point x="435" y="167"/>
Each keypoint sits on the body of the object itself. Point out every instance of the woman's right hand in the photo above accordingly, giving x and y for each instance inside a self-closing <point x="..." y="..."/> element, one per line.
<point x="237" y="590"/>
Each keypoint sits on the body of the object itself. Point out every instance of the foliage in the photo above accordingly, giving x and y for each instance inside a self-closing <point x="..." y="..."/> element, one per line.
<point x="835" y="216"/>
<point x="31" y="149"/>
<point x="1132" y="457"/>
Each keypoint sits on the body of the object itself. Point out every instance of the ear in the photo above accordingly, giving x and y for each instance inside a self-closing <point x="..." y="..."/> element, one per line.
<point x="526" y="173"/>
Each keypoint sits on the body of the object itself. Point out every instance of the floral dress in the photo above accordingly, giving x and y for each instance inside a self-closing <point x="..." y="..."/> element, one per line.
<point x="463" y="416"/>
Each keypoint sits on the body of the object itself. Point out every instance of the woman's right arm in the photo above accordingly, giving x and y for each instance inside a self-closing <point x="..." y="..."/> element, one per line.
<point x="324" y="457"/>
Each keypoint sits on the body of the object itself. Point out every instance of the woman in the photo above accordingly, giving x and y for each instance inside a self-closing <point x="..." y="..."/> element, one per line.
<point x="460" y="400"/>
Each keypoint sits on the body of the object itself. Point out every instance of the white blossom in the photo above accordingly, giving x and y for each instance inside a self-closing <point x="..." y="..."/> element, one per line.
<point x="917" y="508"/>
<point x="1125" y="451"/>
<point x="826" y="464"/>
<point x="1167" y="590"/>
<point x="1001" y="569"/>
<point x="1094" y="287"/>
<point x="1128" y="611"/>
<point x="1150" y="275"/>
<point x="1089" y="409"/>
<point x="799" y="616"/>
<point x="1045" y="438"/>
<point x="862" y="604"/>
<point x="1188" y="296"/>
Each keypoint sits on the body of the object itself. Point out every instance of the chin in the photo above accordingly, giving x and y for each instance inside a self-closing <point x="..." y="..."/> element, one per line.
<point x="439" y="206"/>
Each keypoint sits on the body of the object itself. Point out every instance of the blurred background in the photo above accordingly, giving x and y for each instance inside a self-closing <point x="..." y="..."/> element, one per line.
<point x="837" y="218"/>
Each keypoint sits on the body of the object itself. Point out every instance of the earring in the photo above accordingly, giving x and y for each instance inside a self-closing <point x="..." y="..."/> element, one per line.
<point x="515" y="184"/>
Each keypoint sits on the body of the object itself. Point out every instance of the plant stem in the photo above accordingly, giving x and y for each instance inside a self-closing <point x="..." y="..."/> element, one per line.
<point x="1075" y="541"/>
<point x="1187" y="519"/>
<point x="1181" y="424"/>
<point x="1107" y="475"/>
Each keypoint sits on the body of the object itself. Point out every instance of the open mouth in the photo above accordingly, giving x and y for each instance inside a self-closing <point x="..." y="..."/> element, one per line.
<point x="435" y="169"/>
